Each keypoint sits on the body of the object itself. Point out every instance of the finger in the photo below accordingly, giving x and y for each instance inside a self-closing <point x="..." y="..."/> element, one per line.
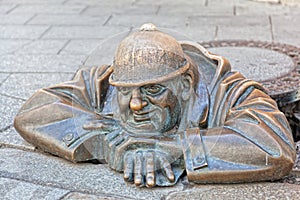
<point x="138" y="169"/>
<point x="150" y="176"/>
<point x="128" y="167"/>
<point x="167" y="168"/>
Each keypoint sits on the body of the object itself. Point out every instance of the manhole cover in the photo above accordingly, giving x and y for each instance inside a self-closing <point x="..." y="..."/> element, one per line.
<point x="255" y="63"/>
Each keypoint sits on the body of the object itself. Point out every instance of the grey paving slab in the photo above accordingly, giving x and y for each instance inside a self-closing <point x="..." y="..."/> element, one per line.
<point x="21" y="32"/>
<point x="10" y="138"/>
<point x="196" y="10"/>
<point x="83" y="47"/>
<point x="69" y="20"/>
<point x="136" y="21"/>
<point x="286" y="28"/>
<point x="3" y="77"/>
<point x="14" y="190"/>
<point x="4" y="8"/>
<point x="81" y="196"/>
<point x="14" y="18"/>
<point x="51" y="9"/>
<point x="199" y="33"/>
<point x="88" y="178"/>
<point x="42" y="47"/>
<point x="8" y="109"/>
<point x="231" y="21"/>
<point x="121" y="9"/>
<point x="83" y="32"/>
<point x="220" y="3"/>
<point x="260" y="33"/>
<point x="253" y="62"/>
<point x="11" y="45"/>
<point x="33" y="1"/>
<point x="100" y="2"/>
<point x="23" y="85"/>
<point x="260" y="8"/>
<point x="170" y="2"/>
<point x="240" y="191"/>
<point x="40" y="63"/>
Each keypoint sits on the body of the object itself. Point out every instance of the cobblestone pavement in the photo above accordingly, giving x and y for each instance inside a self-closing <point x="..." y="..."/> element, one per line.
<point x="43" y="42"/>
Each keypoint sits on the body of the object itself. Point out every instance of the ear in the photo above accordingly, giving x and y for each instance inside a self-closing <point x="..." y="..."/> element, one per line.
<point x="187" y="82"/>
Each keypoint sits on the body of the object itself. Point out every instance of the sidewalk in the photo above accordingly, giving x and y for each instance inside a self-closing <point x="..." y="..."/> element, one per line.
<point x="44" y="42"/>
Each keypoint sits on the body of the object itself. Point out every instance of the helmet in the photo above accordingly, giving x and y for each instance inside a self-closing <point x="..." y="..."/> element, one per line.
<point x="147" y="56"/>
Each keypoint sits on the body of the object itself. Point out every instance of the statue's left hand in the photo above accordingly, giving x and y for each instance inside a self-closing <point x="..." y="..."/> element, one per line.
<point x="143" y="165"/>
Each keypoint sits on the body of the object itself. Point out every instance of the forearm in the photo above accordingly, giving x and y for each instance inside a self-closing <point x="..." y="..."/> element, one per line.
<point x="232" y="157"/>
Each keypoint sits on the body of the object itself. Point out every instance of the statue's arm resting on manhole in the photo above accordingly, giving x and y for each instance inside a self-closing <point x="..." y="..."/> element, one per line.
<point x="247" y="139"/>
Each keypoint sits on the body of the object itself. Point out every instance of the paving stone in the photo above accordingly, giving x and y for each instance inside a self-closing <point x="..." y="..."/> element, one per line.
<point x="22" y="86"/>
<point x="221" y="3"/>
<point x="170" y="2"/>
<point x="253" y="62"/>
<point x="8" y="109"/>
<point x="11" y="45"/>
<point x="4" y="8"/>
<point x="136" y="21"/>
<point x="42" y="47"/>
<point x="239" y="191"/>
<point x="290" y="2"/>
<point x="121" y="9"/>
<point x="83" y="32"/>
<point x="3" y="77"/>
<point x="199" y="34"/>
<point x="40" y="63"/>
<point x="88" y="178"/>
<point x="258" y="8"/>
<point x="195" y="10"/>
<point x="49" y="9"/>
<point x="14" y="19"/>
<point x="81" y="196"/>
<point x="69" y="20"/>
<point x="33" y="1"/>
<point x="10" y="138"/>
<point x="230" y="21"/>
<point x="100" y="2"/>
<point x="83" y="47"/>
<point x="21" y="32"/>
<point x="14" y="190"/>
<point x="286" y="29"/>
<point x="260" y="33"/>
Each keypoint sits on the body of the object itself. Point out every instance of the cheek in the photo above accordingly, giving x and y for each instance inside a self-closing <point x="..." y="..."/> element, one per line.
<point x="166" y="99"/>
<point x="123" y="102"/>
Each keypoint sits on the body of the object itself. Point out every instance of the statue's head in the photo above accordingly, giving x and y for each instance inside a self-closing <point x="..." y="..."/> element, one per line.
<point x="153" y="77"/>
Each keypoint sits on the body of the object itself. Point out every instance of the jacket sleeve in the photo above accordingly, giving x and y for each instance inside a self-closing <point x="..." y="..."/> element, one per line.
<point x="53" y="118"/>
<point x="247" y="138"/>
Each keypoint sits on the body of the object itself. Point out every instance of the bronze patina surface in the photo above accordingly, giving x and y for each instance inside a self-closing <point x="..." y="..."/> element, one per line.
<point x="161" y="108"/>
<point x="285" y="89"/>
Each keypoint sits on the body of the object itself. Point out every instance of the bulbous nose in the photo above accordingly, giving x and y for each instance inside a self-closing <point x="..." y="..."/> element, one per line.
<point x="136" y="102"/>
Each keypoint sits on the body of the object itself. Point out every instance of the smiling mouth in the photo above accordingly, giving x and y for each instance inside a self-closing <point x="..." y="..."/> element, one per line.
<point x="143" y="116"/>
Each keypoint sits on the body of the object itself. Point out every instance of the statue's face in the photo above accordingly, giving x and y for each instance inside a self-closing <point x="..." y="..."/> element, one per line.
<point x="152" y="108"/>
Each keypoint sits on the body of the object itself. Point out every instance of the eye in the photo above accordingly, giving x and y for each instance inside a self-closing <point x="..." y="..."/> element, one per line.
<point x="153" y="89"/>
<point x="124" y="90"/>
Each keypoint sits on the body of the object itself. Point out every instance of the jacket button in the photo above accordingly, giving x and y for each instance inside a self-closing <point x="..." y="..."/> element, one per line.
<point x="69" y="137"/>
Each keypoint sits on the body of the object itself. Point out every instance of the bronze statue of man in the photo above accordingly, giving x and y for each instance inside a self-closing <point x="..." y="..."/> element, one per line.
<point x="163" y="107"/>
